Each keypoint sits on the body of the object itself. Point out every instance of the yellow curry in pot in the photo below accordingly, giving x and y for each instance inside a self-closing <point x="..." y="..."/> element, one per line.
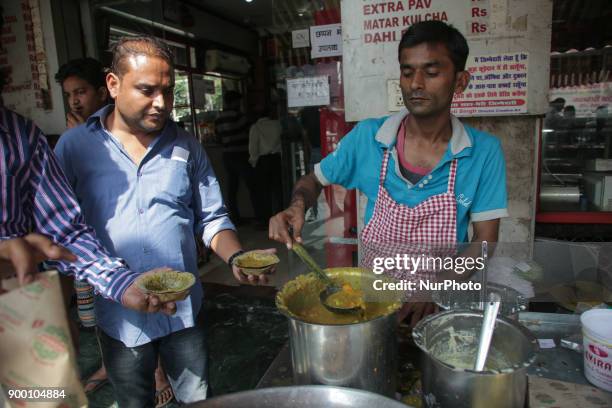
<point x="347" y="298"/>
<point x="299" y="298"/>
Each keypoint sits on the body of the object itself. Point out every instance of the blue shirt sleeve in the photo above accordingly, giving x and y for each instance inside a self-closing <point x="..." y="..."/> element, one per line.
<point x="211" y="216"/>
<point x="63" y="159"/>
<point x="491" y="198"/>
<point x="340" y="167"/>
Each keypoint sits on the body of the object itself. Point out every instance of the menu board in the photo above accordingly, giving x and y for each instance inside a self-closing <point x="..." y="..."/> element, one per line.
<point x="309" y="91"/>
<point x="23" y="59"/>
<point x="326" y="40"/>
<point x="27" y="46"/>
<point x="498" y="85"/>
<point x="509" y="56"/>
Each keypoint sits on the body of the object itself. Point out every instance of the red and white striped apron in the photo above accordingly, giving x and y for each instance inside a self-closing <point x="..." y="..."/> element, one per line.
<point x="429" y="229"/>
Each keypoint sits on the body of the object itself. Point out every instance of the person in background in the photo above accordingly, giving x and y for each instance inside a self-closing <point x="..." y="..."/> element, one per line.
<point x="554" y="116"/>
<point x="310" y="121"/>
<point x="232" y="131"/>
<point x="569" y="112"/>
<point x="602" y="117"/>
<point x="146" y="186"/>
<point x="84" y="86"/>
<point x="265" y="157"/>
<point x="83" y="82"/>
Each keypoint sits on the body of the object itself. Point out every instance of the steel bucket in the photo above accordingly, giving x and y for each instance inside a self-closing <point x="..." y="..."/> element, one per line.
<point x="359" y="355"/>
<point x="444" y="385"/>
<point x="313" y="396"/>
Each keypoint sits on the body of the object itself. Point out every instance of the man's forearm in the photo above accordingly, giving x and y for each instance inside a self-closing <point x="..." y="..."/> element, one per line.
<point x="483" y="231"/>
<point x="225" y="244"/>
<point x="306" y="191"/>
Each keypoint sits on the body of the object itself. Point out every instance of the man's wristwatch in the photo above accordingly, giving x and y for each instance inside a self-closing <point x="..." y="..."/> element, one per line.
<point x="230" y="261"/>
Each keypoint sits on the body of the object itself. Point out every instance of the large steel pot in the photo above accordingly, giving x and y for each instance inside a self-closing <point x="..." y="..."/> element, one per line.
<point x="359" y="355"/>
<point x="312" y="396"/>
<point x="444" y="385"/>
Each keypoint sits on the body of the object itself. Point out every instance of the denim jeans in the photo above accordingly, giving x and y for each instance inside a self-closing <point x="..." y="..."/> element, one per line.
<point x="131" y="370"/>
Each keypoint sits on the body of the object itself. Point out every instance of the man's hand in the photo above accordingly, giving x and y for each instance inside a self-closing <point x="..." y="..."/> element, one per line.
<point x="21" y="256"/>
<point x="416" y="311"/>
<point x="134" y="298"/>
<point x="74" y="120"/>
<point x="305" y="194"/>
<point x="292" y="217"/>
<point x="254" y="279"/>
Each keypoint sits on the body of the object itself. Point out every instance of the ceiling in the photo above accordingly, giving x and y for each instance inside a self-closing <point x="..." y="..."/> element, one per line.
<point x="580" y="24"/>
<point x="267" y="16"/>
<point x="576" y="24"/>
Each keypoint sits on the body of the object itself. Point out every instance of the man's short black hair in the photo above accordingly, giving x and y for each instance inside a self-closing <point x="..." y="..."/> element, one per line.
<point x="437" y="32"/>
<point x="89" y="69"/>
<point x="130" y="46"/>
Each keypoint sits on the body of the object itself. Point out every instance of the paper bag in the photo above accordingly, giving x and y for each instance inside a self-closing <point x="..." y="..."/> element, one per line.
<point x="36" y="351"/>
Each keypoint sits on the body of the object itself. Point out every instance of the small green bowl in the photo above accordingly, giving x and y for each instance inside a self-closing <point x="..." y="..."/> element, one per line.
<point x="256" y="262"/>
<point x="168" y="286"/>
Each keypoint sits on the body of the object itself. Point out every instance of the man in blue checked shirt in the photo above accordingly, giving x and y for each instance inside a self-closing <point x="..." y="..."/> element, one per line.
<point x="147" y="187"/>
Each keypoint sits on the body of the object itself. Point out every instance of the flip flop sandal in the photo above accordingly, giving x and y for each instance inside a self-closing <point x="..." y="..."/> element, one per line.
<point x="97" y="384"/>
<point x="166" y="391"/>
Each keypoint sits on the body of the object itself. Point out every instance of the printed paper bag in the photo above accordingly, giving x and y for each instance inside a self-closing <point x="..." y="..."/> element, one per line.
<point x="36" y="352"/>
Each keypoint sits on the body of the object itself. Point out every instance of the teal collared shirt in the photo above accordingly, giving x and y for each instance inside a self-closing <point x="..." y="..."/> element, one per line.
<point x="480" y="188"/>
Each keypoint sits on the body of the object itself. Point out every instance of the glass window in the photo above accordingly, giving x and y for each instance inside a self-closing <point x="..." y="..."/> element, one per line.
<point x="208" y="100"/>
<point x="181" y="111"/>
<point x="576" y="164"/>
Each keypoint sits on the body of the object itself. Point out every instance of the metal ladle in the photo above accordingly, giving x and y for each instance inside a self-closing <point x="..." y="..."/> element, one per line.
<point x="330" y="286"/>
<point x="486" y="332"/>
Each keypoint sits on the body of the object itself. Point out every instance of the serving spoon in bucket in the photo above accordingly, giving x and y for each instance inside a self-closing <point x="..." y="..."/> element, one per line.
<point x="330" y="286"/>
<point x="486" y="332"/>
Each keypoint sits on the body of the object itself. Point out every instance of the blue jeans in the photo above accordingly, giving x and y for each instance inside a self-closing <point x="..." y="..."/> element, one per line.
<point x="131" y="370"/>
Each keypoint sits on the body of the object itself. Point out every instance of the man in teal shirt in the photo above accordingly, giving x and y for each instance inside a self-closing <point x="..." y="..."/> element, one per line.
<point x="425" y="174"/>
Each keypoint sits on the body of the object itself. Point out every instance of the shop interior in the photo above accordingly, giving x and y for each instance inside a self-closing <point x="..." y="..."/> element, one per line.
<point x="249" y="47"/>
<point x="576" y="139"/>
